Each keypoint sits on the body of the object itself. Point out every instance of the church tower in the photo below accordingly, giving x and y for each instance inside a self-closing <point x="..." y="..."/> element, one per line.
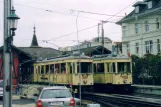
<point x="34" y="39"/>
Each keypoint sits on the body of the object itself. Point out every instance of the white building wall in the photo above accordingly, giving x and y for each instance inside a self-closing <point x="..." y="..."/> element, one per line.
<point x="132" y="38"/>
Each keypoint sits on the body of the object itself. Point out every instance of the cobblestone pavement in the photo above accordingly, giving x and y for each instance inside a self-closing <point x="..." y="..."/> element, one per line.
<point x="17" y="102"/>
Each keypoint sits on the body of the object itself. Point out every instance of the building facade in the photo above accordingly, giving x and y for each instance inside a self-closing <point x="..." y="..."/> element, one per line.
<point x="141" y="29"/>
<point x="92" y="43"/>
<point x="24" y="58"/>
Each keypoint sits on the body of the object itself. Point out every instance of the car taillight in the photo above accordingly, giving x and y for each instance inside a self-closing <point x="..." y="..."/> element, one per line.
<point x="39" y="103"/>
<point x="72" y="102"/>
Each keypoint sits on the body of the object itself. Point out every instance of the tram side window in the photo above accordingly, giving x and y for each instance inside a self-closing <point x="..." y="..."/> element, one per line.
<point x="63" y="68"/>
<point x="38" y="69"/>
<point x="120" y="67"/>
<point x="74" y="66"/>
<point x="95" y="68"/>
<point x="57" y="66"/>
<point x="52" y="68"/>
<point x="108" y="67"/>
<point x="113" y="67"/>
<point x="85" y="67"/>
<point x="47" y="69"/>
<point x="78" y="67"/>
<point x="70" y="70"/>
<point x="42" y="69"/>
<point x="100" y="67"/>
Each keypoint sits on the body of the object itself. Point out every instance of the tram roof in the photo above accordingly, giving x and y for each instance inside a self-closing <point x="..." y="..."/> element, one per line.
<point x="65" y="58"/>
<point x="109" y="57"/>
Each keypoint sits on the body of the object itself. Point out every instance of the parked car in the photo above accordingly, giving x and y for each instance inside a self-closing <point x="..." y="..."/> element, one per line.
<point x="1" y="88"/>
<point x="55" y="96"/>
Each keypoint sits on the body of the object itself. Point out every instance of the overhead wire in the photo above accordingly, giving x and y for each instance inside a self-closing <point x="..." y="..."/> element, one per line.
<point x="123" y="9"/>
<point x="72" y="33"/>
<point x="52" y="11"/>
<point x="79" y="16"/>
<point x="78" y="10"/>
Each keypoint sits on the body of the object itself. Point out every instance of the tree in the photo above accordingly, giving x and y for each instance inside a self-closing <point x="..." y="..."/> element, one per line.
<point x="147" y="68"/>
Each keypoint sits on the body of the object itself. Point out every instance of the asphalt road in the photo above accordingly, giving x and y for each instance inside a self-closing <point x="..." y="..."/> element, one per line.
<point x="17" y="102"/>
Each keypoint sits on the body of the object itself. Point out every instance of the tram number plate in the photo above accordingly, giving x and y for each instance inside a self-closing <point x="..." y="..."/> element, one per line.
<point x="124" y="77"/>
<point x="56" y="103"/>
<point x="84" y="76"/>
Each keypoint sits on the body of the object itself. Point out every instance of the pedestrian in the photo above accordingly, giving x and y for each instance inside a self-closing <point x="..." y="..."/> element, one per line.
<point x="17" y="89"/>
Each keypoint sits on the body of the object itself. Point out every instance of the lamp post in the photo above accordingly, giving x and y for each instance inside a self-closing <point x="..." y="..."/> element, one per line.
<point x="13" y="20"/>
<point x="10" y="27"/>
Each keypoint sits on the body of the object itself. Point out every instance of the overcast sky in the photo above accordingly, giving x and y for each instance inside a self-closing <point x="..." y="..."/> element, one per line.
<point x="62" y="20"/>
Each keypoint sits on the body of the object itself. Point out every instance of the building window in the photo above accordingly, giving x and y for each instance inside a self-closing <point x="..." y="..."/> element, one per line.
<point x="146" y="26"/>
<point x="137" y="9"/>
<point x="149" y="46"/>
<point x="150" y="4"/>
<point x="124" y="30"/>
<point x="157" y="23"/>
<point x="128" y="48"/>
<point x="136" y="28"/>
<point x="137" y="48"/>
<point x="158" y="46"/>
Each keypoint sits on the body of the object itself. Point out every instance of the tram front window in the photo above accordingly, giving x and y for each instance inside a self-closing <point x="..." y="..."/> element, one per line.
<point x="86" y="67"/>
<point x="99" y="67"/>
<point x="123" y="67"/>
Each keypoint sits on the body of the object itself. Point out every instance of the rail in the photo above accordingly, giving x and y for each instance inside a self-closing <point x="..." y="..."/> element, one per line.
<point x="121" y="101"/>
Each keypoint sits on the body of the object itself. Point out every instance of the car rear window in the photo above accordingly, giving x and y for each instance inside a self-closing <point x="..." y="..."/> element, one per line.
<point x="55" y="93"/>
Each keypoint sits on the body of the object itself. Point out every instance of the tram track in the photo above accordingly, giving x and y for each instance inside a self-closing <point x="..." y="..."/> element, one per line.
<point x="120" y="101"/>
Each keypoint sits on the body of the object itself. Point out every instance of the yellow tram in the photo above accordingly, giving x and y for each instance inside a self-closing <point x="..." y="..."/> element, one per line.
<point x="64" y="70"/>
<point x="111" y="72"/>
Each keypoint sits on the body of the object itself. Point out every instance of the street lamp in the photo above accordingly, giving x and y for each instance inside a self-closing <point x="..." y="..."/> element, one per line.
<point x="13" y="20"/>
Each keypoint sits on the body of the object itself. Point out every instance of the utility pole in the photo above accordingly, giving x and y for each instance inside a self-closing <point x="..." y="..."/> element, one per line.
<point x="102" y="37"/>
<point x="98" y="31"/>
<point x="7" y="86"/>
<point x="102" y="22"/>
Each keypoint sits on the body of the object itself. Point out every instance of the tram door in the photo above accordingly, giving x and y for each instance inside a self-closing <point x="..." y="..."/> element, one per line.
<point x="99" y="72"/>
<point x="69" y="70"/>
<point x="109" y="72"/>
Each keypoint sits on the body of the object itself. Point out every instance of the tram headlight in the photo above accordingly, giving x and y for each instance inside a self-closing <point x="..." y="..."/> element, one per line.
<point x="125" y="81"/>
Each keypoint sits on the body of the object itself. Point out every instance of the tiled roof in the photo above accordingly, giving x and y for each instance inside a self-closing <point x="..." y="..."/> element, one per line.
<point x="145" y="11"/>
<point x="96" y="50"/>
<point x="40" y="53"/>
<point x="37" y="53"/>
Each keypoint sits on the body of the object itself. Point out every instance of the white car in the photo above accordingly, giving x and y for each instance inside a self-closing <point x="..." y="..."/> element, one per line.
<point x="56" y="96"/>
<point x="1" y="88"/>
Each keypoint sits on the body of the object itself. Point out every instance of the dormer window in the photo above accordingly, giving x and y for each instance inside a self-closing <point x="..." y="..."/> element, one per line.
<point x="137" y="9"/>
<point x="139" y="6"/>
<point x="150" y="4"/>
